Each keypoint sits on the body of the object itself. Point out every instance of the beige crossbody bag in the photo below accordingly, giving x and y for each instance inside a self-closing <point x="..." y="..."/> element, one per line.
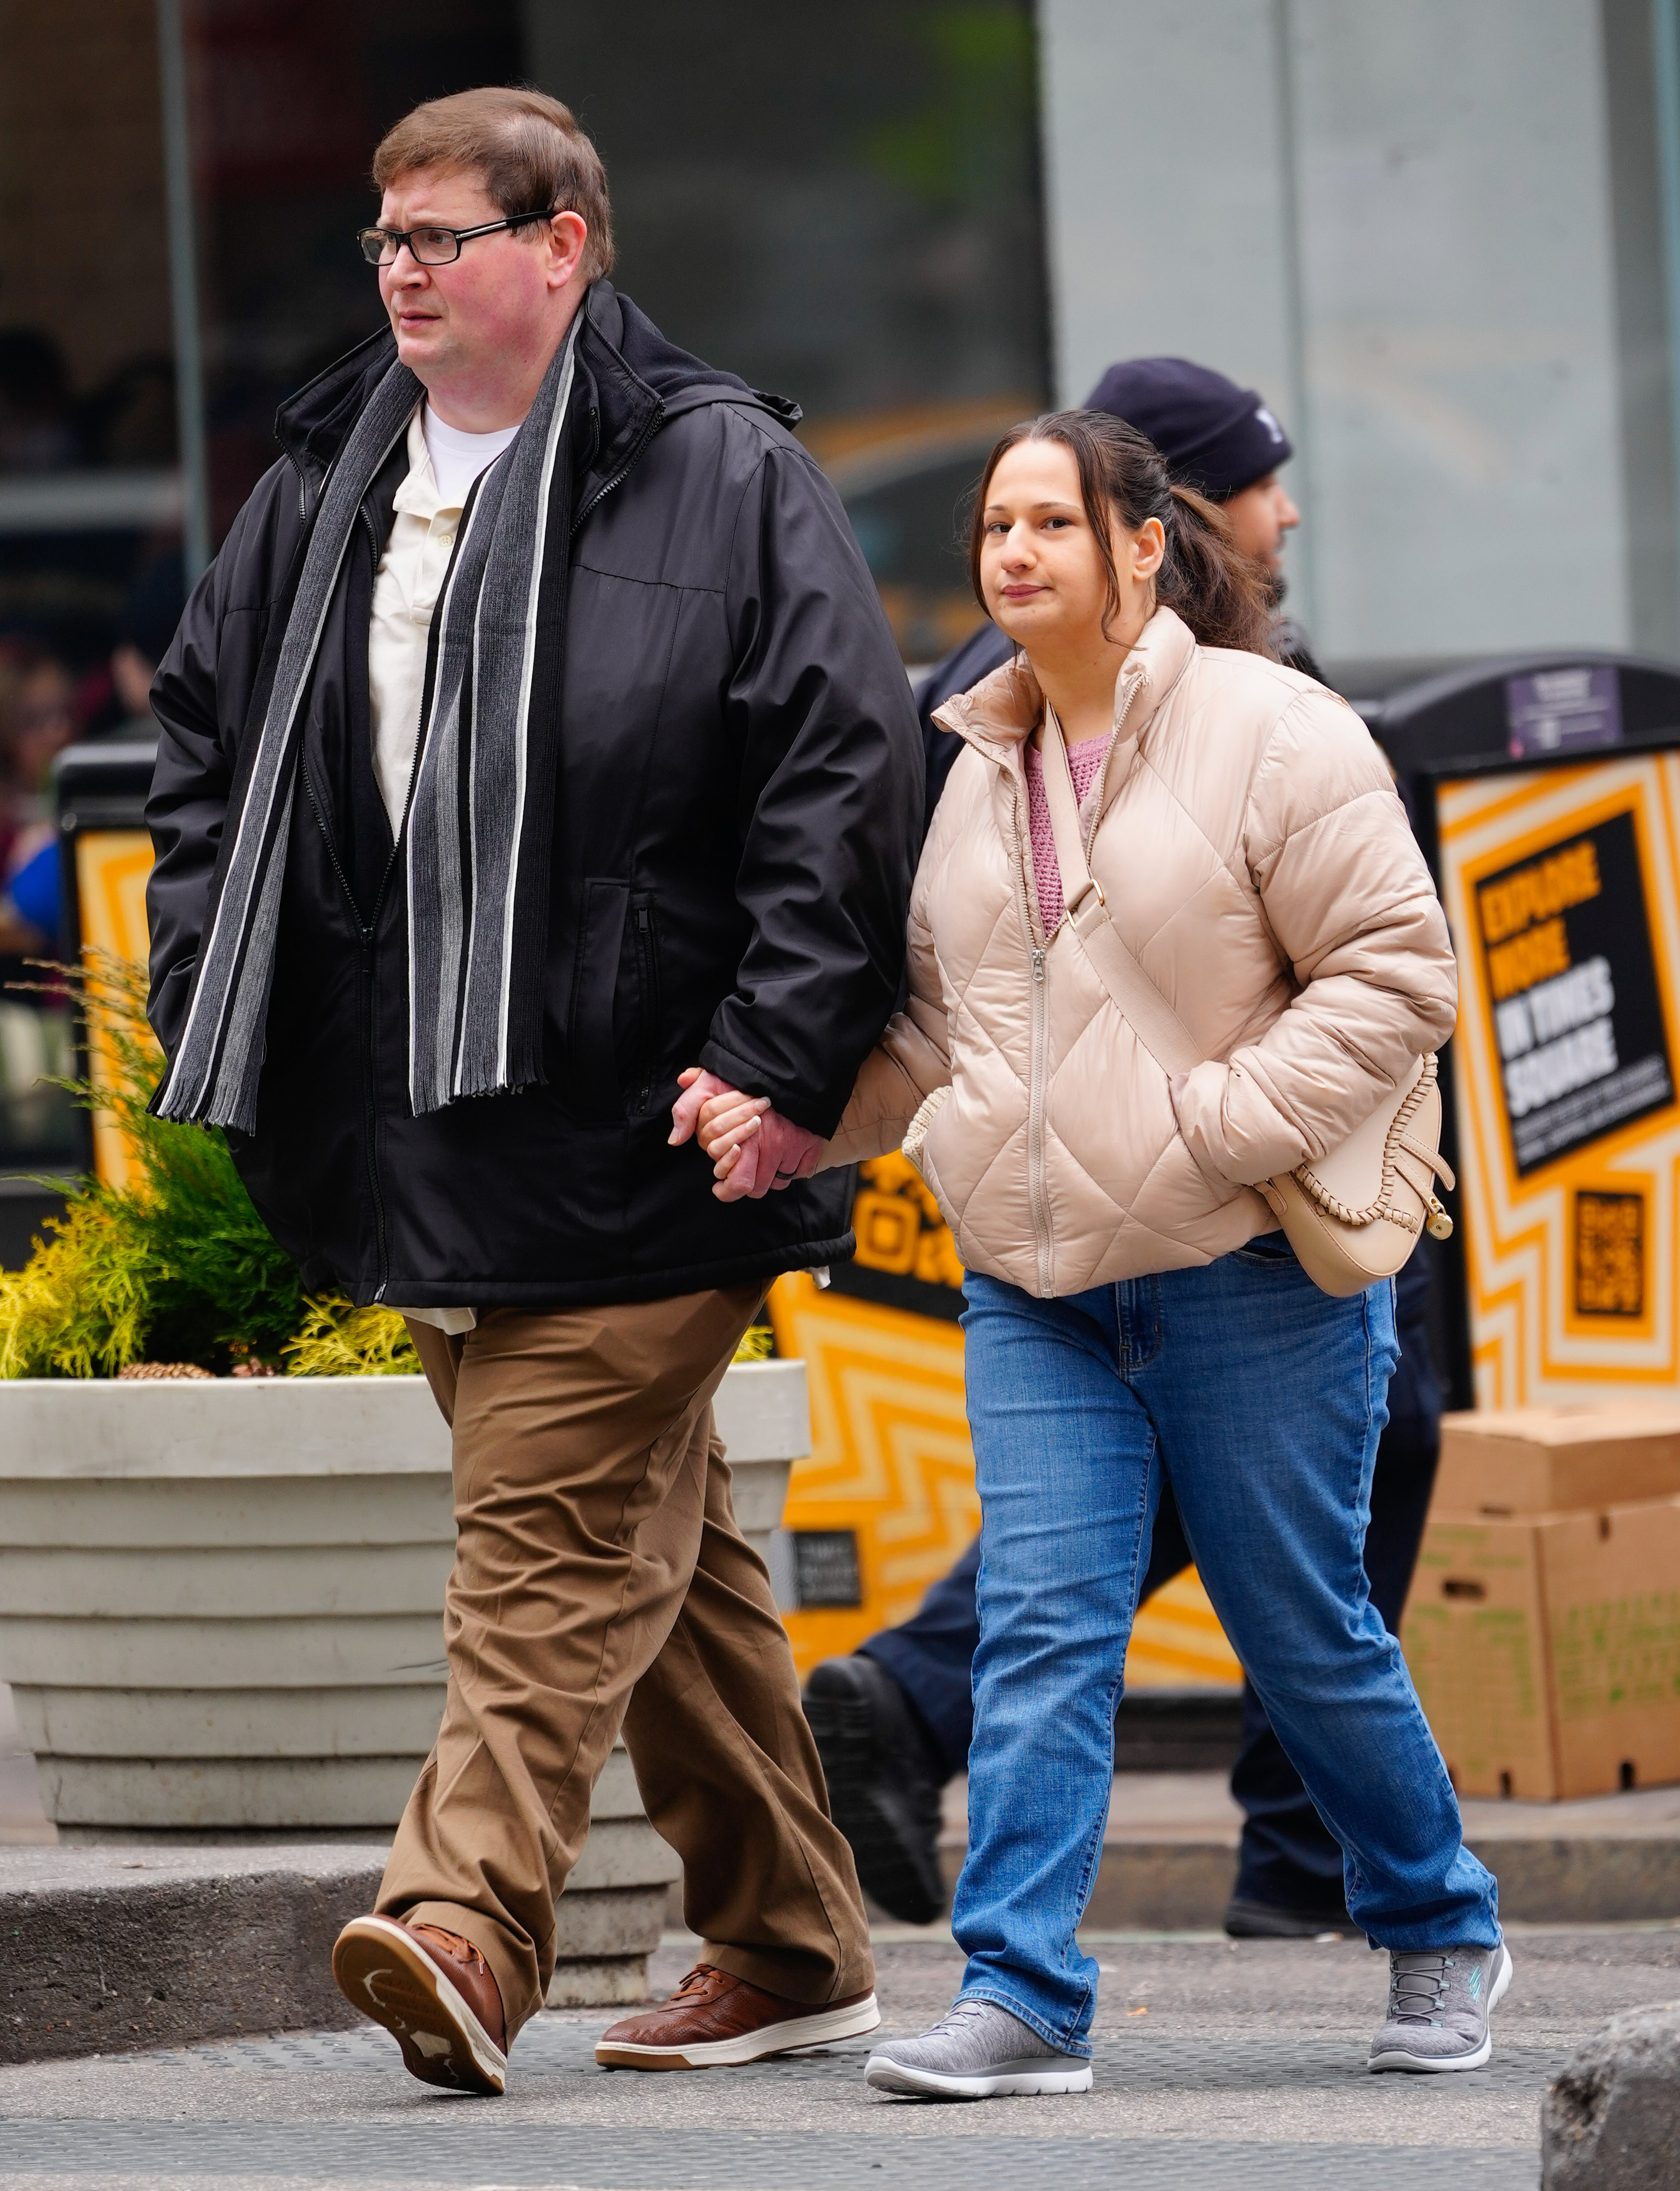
<point x="1351" y="1218"/>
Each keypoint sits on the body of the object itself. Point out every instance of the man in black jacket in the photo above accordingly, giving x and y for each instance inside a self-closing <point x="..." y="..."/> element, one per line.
<point x="536" y="732"/>
<point x="893" y="1721"/>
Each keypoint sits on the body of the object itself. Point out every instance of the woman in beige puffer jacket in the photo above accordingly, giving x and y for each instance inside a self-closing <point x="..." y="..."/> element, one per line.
<point x="1255" y="855"/>
<point x="1132" y="1309"/>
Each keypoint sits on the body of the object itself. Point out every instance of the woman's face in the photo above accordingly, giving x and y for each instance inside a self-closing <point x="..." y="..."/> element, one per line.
<point x="1040" y="569"/>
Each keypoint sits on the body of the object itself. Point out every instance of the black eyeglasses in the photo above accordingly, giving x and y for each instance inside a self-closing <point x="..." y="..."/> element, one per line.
<point x="433" y="247"/>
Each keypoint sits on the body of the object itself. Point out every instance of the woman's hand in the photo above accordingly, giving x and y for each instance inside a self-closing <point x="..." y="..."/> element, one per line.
<point x="699" y="1088"/>
<point x="754" y="1148"/>
<point x="727" y="1119"/>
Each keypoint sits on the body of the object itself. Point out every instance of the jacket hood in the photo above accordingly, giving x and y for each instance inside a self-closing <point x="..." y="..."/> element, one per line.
<point x="616" y="326"/>
<point x="1001" y="712"/>
<point x="640" y="380"/>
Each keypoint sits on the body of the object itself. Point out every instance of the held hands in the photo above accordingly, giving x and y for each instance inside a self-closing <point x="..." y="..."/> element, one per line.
<point x="754" y="1148"/>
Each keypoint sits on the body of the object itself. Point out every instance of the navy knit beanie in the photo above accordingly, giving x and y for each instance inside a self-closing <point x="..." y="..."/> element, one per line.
<point x="1215" y="436"/>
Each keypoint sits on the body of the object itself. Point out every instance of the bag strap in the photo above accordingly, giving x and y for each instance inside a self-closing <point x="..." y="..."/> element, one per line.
<point x="1151" y="1018"/>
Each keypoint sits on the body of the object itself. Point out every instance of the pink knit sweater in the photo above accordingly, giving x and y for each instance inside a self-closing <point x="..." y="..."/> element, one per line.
<point x="1084" y="762"/>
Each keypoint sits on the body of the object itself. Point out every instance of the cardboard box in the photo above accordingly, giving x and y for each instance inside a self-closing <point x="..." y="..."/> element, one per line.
<point x="1557" y="1460"/>
<point x="1545" y="1649"/>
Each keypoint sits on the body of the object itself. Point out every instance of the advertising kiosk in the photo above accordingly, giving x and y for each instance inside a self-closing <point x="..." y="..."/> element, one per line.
<point x="1547" y="795"/>
<point x="1543" y="1628"/>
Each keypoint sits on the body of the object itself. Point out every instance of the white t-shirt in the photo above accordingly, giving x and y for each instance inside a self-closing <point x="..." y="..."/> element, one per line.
<point x="442" y="464"/>
<point x="458" y="458"/>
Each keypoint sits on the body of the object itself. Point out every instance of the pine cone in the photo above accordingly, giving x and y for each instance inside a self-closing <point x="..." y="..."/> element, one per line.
<point x="136" y="1371"/>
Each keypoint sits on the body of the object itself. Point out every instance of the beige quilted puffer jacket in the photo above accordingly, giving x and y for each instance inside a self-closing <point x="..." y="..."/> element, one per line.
<point x="1256" y="856"/>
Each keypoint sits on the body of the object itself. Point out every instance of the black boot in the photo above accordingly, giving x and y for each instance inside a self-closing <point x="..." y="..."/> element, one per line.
<point x="884" y="1776"/>
<point x="1289" y="1869"/>
<point x="1268" y="1920"/>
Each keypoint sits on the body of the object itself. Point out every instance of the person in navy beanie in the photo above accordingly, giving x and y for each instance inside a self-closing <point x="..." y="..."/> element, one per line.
<point x="892" y="1721"/>
<point x="1215" y="436"/>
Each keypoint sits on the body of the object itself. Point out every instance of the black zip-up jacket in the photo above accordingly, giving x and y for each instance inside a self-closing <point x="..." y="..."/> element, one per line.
<point x="736" y="824"/>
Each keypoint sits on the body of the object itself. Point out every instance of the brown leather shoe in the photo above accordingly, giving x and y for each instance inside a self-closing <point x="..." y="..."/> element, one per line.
<point x="434" y="1993"/>
<point x="713" y="2020"/>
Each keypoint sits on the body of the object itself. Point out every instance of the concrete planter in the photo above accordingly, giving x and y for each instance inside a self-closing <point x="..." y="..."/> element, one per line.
<point x="220" y="1607"/>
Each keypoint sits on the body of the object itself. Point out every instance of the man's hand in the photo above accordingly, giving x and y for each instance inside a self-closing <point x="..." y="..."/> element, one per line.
<point x="753" y="1146"/>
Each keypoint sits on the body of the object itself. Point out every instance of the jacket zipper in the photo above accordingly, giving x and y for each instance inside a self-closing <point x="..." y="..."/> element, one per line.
<point x="655" y="420"/>
<point x="647" y="964"/>
<point x="365" y="980"/>
<point x="296" y="463"/>
<point x="1035" y="1124"/>
<point x="366" y="931"/>
<point x="1038" y="1195"/>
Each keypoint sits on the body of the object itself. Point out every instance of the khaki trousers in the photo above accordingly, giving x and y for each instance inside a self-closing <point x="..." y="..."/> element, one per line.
<point x="600" y="1581"/>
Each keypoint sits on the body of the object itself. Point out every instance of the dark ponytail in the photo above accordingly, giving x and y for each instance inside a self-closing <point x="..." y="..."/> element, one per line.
<point x="1224" y="596"/>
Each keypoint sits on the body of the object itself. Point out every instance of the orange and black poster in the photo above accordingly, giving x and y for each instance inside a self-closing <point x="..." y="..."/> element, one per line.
<point x="1566" y="944"/>
<point x="1561" y="884"/>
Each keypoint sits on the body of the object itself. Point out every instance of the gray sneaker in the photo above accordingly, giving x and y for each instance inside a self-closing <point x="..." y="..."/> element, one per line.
<point x="977" y="2051"/>
<point x="1439" y="2001"/>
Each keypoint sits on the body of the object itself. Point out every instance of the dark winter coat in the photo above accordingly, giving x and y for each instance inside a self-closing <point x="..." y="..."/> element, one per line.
<point x="736" y="824"/>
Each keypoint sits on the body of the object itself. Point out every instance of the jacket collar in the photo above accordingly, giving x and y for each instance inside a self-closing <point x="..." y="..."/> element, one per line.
<point x="634" y="380"/>
<point x="1003" y="710"/>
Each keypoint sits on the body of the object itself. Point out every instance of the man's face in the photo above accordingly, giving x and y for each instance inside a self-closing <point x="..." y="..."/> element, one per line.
<point x="1259" y="517"/>
<point x="458" y="322"/>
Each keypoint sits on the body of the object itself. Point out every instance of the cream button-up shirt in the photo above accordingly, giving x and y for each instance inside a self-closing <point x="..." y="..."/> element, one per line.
<point x="406" y="587"/>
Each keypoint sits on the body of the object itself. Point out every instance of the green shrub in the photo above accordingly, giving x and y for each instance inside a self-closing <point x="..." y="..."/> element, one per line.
<point x="177" y="1266"/>
<point x="337" y="1341"/>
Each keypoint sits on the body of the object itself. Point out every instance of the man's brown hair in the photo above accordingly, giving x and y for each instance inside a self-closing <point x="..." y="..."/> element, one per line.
<point x="526" y="146"/>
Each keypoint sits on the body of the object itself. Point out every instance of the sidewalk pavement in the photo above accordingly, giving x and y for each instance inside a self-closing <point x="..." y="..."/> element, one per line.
<point x="1218" y="2064"/>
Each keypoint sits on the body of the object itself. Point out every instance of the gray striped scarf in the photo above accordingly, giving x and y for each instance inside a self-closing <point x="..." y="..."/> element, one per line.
<point x="480" y="806"/>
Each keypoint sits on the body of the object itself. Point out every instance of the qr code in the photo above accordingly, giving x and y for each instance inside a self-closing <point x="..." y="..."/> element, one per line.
<point x="1610" y="1255"/>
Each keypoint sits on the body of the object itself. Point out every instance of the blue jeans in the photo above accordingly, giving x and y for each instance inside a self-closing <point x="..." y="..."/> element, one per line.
<point x="1264" y="1399"/>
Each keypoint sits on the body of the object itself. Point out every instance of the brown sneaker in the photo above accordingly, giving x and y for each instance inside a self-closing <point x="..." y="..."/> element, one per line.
<point x="434" y="1993"/>
<point x="713" y="2020"/>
